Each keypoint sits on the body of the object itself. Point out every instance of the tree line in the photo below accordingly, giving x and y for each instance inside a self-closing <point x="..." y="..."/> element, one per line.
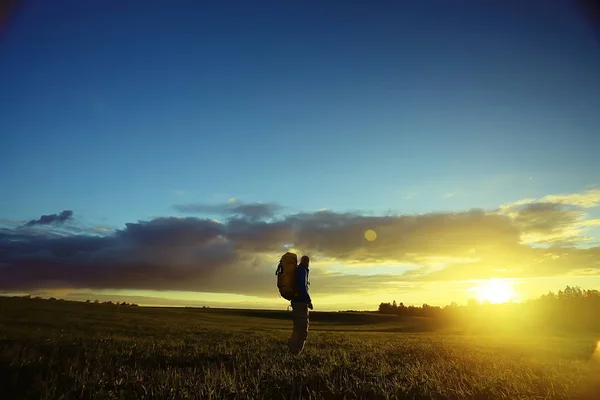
<point x="110" y="303"/>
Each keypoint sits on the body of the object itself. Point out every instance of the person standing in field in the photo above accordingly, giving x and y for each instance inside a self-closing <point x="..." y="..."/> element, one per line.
<point x="301" y="303"/>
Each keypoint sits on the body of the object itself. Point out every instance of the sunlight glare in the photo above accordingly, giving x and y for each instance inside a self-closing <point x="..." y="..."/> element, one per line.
<point x="596" y="354"/>
<point x="495" y="291"/>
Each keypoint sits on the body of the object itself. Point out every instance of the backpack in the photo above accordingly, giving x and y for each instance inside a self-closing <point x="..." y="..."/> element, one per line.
<point x="286" y="275"/>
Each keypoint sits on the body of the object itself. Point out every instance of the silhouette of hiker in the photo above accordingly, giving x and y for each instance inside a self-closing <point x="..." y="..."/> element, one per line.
<point x="301" y="303"/>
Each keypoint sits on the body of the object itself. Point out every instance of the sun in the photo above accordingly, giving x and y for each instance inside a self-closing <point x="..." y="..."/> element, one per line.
<point x="495" y="291"/>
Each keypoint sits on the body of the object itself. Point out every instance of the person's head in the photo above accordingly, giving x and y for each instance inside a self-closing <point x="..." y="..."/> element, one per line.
<point x="305" y="260"/>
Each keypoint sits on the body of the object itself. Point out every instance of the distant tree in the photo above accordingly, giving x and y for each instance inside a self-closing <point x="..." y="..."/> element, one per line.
<point x="401" y="310"/>
<point x="394" y="305"/>
<point x="88" y="301"/>
<point x="52" y="299"/>
<point x="385" y="308"/>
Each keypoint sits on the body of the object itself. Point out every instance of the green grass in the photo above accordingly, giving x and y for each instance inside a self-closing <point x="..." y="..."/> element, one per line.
<point x="54" y="350"/>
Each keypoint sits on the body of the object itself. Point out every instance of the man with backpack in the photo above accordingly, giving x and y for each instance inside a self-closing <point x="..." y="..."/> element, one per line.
<point x="293" y="284"/>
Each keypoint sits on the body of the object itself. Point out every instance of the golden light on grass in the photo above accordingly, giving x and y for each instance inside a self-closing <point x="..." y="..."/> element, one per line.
<point x="495" y="291"/>
<point x="370" y="235"/>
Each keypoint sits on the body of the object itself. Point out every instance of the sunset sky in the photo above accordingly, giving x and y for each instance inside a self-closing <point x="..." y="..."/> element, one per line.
<point x="169" y="152"/>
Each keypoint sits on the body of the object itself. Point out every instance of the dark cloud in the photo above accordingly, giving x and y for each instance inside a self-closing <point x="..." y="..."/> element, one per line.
<point x="545" y="217"/>
<point x="252" y="211"/>
<point x="165" y="253"/>
<point x="51" y="219"/>
<point x="401" y="238"/>
<point x="240" y="254"/>
<point x="548" y="222"/>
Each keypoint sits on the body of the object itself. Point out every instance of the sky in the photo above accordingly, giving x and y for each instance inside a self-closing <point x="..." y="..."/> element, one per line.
<point x="170" y="153"/>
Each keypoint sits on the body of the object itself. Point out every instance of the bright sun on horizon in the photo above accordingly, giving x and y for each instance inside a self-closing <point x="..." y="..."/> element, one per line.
<point x="495" y="291"/>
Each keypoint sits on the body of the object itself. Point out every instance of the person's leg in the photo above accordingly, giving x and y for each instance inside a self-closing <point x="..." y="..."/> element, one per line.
<point x="292" y="339"/>
<point x="305" y="323"/>
<point x="300" y="332"/>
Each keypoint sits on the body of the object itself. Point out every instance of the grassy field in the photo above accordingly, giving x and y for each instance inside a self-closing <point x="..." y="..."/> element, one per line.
<point x="67" y="350"/>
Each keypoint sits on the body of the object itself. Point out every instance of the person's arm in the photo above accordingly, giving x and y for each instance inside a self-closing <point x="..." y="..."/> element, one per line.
<point x="301" y="275"/>
<point x="302" y="285"/>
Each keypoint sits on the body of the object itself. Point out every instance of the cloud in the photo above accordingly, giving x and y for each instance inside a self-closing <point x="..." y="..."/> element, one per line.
<point x="165" y="253"/>
<point x="239" y="255"/>
<point x="588" y="199"/>
<point x="553" y="219"/>
<point x="99" y="229"/>
<point x="253" y="211"/>
<point x="188" y="254"/>
<point x="51" y="219"/>
<point x="549" y="223"/>
<point x="522" y="262"/>
<point x="400" y="238"/>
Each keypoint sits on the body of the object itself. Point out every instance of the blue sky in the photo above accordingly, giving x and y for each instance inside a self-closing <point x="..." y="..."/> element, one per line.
<point x="121" y="110"/>
<point x="109" y="109"/>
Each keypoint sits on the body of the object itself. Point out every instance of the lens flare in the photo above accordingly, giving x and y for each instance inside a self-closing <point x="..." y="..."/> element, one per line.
<point x="370" y="235"/>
